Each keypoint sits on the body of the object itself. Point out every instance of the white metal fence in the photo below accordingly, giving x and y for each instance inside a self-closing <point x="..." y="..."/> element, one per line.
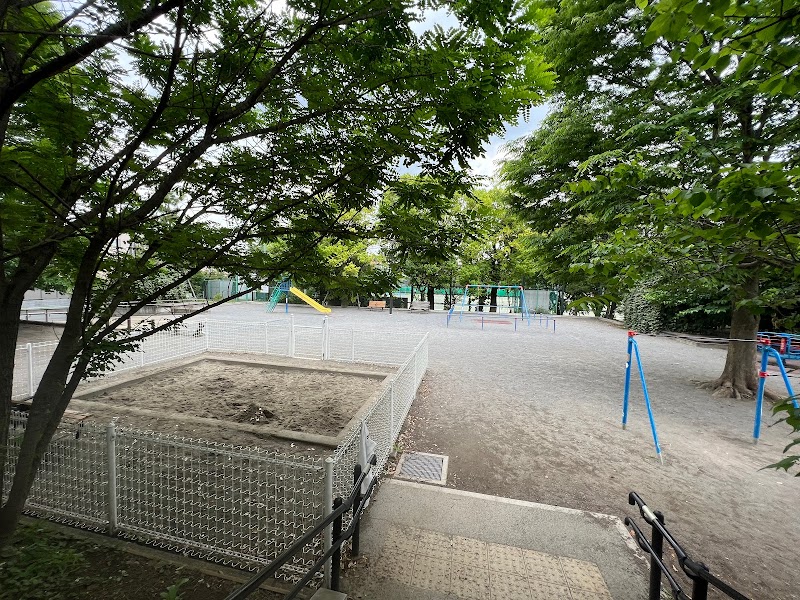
<point x="232" y="505"/>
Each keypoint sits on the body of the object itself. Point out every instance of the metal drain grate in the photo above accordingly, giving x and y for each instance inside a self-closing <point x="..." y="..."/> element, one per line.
<point x="421" y="466"/>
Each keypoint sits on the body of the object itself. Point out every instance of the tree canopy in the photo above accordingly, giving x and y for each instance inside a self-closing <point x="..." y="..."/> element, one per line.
<point x="683" y="122"/>
<point x="136" y="136"/>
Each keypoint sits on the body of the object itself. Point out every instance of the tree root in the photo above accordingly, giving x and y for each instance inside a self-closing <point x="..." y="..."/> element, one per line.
<point x="725" y="388"/>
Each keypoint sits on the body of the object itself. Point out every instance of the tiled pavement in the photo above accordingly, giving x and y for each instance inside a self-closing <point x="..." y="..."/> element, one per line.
<point x="472" y="569"/>
<point x="425" y="542"/>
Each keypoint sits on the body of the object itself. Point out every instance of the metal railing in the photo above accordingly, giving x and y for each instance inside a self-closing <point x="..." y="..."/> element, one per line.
<point x="277" y="337"/>
<point x="697" y="572"/>
<point x="355" y="501"/>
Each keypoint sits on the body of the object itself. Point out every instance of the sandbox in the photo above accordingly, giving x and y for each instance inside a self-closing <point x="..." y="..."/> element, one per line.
<point x="222" y="394"/>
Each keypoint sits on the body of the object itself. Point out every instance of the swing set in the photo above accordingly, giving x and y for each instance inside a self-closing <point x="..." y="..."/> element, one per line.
<point x="779" y="346"/>
<point x="509" y="305"/>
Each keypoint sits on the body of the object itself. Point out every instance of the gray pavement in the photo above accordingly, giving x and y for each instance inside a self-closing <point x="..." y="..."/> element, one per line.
<point x="402" y="507"/>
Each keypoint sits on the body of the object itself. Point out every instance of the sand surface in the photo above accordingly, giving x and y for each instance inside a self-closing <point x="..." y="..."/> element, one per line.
<point x="304" y="400"/>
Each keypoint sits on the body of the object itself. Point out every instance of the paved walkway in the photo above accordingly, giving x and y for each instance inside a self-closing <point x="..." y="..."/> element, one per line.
<point x="430" y="543"/>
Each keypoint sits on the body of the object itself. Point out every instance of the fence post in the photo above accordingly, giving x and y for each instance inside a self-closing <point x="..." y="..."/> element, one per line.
<point x="324" y="338"/>
<point x="356" y="540"/>
<point x="336" y="559"/>
<point x="30" y="367"/>
<point x="266" y="338"/>
<point x="291" y="335"/>
<point x="111" y="458"/>
<point x="327" y="508"/>
<point x="391" y="413"/>
<point x="657" y="543"/>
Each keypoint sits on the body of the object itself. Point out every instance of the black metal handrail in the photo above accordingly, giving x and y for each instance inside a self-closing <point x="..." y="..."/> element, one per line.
<point x="697" y="572"/>
<point x="355" y="500"/>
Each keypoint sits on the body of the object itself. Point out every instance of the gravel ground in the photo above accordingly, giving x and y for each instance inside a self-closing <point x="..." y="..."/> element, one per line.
<point x="535" y="415"/>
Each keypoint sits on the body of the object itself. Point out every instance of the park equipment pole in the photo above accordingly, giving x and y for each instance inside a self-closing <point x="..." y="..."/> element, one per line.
<point x="762" y="379"/>
<point x="627" y="380"/>
<point x="633" y="343"/>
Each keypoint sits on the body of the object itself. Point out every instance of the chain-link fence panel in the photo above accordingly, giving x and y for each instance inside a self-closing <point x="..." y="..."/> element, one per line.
<point x="238" y="506"/>
<point x="72" y="481"/>
<point x="308" y="342"/>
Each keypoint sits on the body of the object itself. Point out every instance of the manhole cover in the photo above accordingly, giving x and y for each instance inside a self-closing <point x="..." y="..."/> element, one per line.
<point x="421" y="466"/>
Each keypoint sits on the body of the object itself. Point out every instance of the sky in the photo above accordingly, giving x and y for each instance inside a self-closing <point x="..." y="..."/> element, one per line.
<point x="488" y="164"/>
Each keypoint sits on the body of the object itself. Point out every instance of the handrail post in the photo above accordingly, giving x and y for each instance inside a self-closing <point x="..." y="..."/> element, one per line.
<point x="327" y="504"/>
<point x="657" y="543"/>
<point x="354" y="545"/>
<point x="700" y="586"/>
<point x="336" y="559"/>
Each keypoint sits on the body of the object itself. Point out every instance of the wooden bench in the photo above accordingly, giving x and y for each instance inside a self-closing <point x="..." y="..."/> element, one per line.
<point x="377" y="304"/>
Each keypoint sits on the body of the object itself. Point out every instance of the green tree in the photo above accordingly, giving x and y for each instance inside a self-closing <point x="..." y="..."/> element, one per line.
<point x="497" y="255"/>
<point x="422" y="222"/>
<point x="700" y="140"/>
<point x="141" y="135"/>
<point x="568" y="228"/>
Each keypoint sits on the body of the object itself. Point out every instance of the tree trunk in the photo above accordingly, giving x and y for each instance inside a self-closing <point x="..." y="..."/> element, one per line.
<point x="9" y="331"/>
<point x="431" y="294"/>
<point x="52" y="395"/>
<point x="739" y="377"/>
<point x="48" y="406"/>
<point x="493" y="300"/>
<point x="610" y="310"/>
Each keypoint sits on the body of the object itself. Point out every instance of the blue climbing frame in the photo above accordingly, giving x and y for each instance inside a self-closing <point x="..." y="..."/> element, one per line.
<point x="787" y="345"/>
<point x="767" y="350"/>
<point x="633" y="347"/>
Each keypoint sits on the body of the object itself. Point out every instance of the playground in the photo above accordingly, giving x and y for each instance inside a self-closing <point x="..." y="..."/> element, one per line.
<point x="536" y="416"/>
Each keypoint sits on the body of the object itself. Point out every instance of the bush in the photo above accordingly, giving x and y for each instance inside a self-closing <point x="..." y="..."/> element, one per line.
<point x="641" y="313"/>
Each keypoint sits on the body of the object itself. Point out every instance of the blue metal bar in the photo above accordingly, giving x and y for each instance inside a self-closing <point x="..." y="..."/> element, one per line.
<point x="647" y="400"/>
<point x="627" y="381"/>
<point x="762" y="379"/>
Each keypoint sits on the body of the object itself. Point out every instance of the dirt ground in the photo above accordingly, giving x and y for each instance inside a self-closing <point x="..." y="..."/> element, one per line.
<point x="536" y="415"/>
<point x="294" y="399"/>
<point x="539" y="419"/>
<point x="52" y="562"/>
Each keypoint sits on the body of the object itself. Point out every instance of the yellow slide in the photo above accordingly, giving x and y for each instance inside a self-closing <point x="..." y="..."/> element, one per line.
<point x="308" y="300"/>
